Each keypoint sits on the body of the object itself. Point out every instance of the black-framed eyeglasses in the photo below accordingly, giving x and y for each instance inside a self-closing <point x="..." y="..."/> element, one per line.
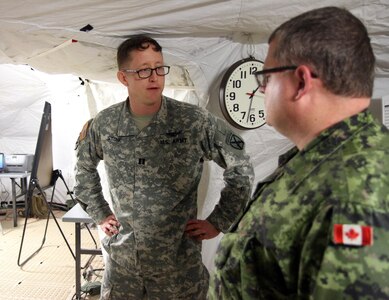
<point x="263" y="75"/>
<point x="146" y="73"/>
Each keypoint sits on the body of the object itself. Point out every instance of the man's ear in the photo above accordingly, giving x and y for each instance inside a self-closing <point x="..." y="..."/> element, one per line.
<point x="304" y="77"/>
<point x="122" y="78"/>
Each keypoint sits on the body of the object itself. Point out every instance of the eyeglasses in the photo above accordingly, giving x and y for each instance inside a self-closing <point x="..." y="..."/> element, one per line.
<point x="263" y="75"/>
<point x="146" y="73"/>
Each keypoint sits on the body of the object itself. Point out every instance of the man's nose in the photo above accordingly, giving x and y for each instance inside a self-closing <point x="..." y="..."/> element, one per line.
<point x="153" y="76"/>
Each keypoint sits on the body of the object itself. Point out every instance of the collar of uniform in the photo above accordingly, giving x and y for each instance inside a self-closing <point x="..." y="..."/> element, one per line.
<point x="160" y="123"/>
<point x="127" y="126"/>
<point x="323" y="147"/>
<point x="339" y="133"/>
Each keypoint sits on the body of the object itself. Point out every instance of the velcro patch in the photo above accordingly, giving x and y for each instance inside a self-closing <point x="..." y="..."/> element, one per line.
<point x="235" y="141"/>
<point x="84" y="131"/>
<point x="353" y="235"/>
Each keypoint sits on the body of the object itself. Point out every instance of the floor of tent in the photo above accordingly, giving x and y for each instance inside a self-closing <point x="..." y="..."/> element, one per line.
<point x="50" y="274"/>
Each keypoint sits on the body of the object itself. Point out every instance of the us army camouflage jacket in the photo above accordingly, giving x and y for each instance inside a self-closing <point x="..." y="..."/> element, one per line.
<point x="318" y="227"/>
<point x="153" y="174"/>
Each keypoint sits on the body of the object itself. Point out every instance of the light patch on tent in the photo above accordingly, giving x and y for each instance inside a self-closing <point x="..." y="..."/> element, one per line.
<point x="73" y="55"/>
<point x="179" y="86"/>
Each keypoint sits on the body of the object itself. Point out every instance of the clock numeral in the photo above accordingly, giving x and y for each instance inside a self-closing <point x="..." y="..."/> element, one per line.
<point x="261" y="113"/>
<point x="252" y="70"/>
<point x="251" y="117"/>
<point x="243" y="74"/>
<point x="235" y="107"/>
<point x="232" y="96"/>
<point x="236" y="84"/>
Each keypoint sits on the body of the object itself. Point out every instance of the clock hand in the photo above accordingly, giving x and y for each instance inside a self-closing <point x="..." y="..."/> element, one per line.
<point x="251" y="102"/>
<point x="249" y="94"/>
<point x="248" y="113"/>
<point x="253" y="92"/>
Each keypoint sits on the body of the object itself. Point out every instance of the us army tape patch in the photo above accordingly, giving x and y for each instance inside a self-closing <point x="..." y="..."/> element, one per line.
<point x="235" y="142"/>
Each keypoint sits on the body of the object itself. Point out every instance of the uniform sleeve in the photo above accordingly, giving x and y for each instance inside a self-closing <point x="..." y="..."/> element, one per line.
<point x="88" y="190"/>
<point x="227" y="149"/>
<point x="340" y="260"/>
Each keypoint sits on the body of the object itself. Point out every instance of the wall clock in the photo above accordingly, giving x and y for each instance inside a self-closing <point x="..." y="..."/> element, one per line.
<point x="240" y="101"/>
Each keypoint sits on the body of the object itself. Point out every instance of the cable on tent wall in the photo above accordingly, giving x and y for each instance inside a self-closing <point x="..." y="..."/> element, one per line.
<point x="250" y="50"/>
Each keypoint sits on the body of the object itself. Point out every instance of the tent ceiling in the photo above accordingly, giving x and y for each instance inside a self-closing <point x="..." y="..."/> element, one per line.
<point x="43" y="33"/>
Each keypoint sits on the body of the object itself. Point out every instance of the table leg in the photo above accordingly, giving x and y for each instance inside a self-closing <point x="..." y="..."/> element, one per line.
<point x="23" y="184"/>
<point x="78" y="261"/>
<point x="15" y="214"/>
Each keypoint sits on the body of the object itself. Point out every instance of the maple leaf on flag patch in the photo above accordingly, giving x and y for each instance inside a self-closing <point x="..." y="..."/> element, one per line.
<point x="352" y="234"/>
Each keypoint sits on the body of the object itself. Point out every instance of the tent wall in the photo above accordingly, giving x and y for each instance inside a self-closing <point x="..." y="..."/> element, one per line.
<point x="201" y="39"/>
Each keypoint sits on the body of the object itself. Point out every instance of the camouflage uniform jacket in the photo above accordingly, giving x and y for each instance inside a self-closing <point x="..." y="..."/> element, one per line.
<point x="284" y="245"/>
<point x="153" y="176"/>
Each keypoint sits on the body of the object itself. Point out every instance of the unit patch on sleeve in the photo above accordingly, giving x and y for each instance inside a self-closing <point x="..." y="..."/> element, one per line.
<point x="235" y="141"/>
<point x="84" y="130"/>
<point x="83" y="133"/>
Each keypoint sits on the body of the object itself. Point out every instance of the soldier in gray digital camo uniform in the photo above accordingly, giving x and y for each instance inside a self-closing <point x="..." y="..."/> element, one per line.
<point x="153" y="148"/>
<point x="318" y="227"/>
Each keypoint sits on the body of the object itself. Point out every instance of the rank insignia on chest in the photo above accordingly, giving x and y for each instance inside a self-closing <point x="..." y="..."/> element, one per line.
<point x="352" y="235"/>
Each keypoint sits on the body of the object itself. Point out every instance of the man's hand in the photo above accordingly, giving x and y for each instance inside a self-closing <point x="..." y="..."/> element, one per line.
<point x="110" y="225"/>
<point x="201" y="230"/>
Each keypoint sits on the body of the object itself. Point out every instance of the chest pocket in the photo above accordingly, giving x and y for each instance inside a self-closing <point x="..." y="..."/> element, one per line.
<point x="179" y="160"/>
<point x="168" y="161"/>
<point x="119" y="158"/>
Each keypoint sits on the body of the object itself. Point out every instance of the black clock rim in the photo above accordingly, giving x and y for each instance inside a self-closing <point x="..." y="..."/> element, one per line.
<point x="225" y="78"/>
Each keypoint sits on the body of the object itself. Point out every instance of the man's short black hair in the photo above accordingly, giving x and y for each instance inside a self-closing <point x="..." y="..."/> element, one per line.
<point x="334" y="43"/>
<point x="137" y="42"/>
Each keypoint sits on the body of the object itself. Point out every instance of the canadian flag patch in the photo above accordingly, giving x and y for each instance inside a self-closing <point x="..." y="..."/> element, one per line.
<point x="353" y="235"/>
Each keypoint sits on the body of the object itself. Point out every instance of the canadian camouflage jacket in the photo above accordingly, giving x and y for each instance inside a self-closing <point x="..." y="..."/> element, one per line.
<point x="318" y="227"/>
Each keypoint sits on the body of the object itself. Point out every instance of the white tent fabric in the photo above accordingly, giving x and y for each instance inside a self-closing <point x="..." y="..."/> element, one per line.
<point x="200" y="39"/>
<point x="205" y="36"/>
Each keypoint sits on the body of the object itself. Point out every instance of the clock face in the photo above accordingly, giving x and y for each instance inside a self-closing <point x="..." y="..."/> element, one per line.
<point x="240" y="101"/>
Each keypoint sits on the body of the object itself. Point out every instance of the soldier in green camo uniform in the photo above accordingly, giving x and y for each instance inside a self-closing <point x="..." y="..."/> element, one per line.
<point x="153" y="148"/>
<point x="318" y="227"/>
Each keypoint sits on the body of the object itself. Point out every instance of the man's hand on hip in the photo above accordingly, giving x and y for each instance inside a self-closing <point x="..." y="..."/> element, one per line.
<point x="201" y="230"/>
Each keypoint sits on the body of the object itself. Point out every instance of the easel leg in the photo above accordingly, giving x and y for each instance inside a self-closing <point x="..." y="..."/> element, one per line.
<point x="35" y="185"/>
